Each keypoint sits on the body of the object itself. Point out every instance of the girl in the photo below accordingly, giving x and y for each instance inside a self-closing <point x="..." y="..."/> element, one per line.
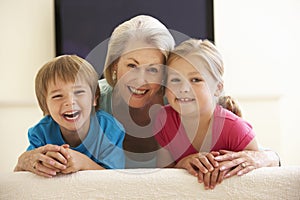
<point x="194" y="124"/>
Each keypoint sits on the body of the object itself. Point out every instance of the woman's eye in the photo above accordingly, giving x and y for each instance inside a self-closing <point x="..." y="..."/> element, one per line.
<point x="131" y="66"/>
<point x="79" y="92"/>
<point x="196" y="80"/>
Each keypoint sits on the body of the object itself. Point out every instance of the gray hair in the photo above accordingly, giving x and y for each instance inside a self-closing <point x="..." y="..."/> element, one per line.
<point x="144" y="29"/>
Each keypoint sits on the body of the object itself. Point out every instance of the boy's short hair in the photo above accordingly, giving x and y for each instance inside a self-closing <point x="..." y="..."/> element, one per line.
<point x="68" y="68"/>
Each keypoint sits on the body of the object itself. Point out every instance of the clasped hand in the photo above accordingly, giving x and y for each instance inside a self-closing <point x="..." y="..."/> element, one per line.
<point x="212" y="168"/>
<point x="49" y="160"/>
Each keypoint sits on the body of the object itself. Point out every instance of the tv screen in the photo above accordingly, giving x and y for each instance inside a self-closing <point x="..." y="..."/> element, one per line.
<point x="85" y="25"/>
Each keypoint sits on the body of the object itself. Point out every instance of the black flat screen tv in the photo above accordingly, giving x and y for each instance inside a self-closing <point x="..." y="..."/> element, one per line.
<point x="81" y="25"/>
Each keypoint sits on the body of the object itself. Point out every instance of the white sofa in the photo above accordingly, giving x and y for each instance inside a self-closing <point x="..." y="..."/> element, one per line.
<point x="265" y="183"/>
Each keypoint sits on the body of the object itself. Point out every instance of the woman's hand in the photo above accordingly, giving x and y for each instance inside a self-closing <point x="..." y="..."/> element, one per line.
<point x="32" y="161"/>
<point x="242" y="162"/>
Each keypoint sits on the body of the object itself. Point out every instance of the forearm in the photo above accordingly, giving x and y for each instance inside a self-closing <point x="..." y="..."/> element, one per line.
<point x="267" y="158"/>
<point x="92" y="166"/>
<point x="89" y="164"/>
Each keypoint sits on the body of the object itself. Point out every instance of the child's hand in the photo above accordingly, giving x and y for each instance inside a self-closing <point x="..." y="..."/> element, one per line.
<point x="204" y="167"/>
<point x="61" y="158"/>
<point x="198" y="163"/>
<point x="211" y="179"/>
<point x="78" y="162"/>
<point x="36" y="160"/>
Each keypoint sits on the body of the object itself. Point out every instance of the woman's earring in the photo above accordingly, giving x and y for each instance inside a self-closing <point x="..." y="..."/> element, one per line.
<point x="114" y="75"/>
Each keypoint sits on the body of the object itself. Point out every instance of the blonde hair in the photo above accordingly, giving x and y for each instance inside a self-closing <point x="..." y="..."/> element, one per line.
<point x="141" y="28"/>
<point x="203" y="49"/>
<point x="207" y="51"/>
<point x="67" y="68"/>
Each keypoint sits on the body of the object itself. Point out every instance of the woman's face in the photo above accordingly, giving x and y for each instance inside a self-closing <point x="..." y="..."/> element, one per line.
<point x="139" y="75"/>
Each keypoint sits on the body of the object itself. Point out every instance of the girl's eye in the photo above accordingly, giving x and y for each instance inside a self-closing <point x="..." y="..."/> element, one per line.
<point x="174" y="80"/>
<point x="152" y="70"/>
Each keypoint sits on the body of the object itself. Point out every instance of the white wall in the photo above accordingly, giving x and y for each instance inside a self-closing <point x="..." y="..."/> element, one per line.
<point x="258" y="39"/>
<point x="27" y="42"/>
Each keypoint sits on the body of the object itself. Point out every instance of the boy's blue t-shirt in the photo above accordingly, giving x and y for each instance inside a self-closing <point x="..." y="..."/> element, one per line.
<point x="103" y="143"/>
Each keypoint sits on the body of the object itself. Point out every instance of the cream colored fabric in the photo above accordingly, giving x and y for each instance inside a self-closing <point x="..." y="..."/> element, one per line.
<point x="264" y="183"/>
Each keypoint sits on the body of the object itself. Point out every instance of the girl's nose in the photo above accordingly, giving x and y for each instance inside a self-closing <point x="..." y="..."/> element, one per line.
<point x="184" y="87"/>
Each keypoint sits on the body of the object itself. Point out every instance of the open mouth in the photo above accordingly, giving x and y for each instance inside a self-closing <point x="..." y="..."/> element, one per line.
<point x="137" y="91"/>
<point x="73" y="115"/>
<point x="185" y="100"/>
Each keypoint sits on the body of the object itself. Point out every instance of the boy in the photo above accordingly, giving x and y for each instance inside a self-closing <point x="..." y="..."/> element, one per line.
<point x="82" y="138"/>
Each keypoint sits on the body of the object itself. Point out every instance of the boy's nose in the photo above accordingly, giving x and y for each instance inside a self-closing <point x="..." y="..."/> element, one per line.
<point x="69" y="101"/>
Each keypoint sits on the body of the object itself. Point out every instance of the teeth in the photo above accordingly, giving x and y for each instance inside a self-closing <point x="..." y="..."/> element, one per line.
<point x="185" y="99"/>
<point x="71" y="115"/>
<point x="135" y="91"/>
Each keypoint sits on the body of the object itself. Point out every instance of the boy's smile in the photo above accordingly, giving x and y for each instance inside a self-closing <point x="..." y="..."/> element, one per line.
<point x="70" y="105"/>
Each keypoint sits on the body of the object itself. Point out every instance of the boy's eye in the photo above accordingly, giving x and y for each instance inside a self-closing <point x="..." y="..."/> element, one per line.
<point x="57" y="96"/>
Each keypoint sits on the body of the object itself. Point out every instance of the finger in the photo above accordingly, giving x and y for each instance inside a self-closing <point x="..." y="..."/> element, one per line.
<point x="65" y="146"/>
<point x="50" y="167"/>
<point x="212" y="160"/>
<point x="58" y="157"/>
<point x="191" y="169"/>
<point x="42" y="170"/>
<point x="215" y="153"/>
<point x="198" y="164"/>
<point x="48" y="160"/>
<point x="231" y="164"/>
<point x="206" y="180"/>
<point x="48" y="147"/>
<point x="214" y="179"/>
<point x="206" y="163"/>
<point x="65" y="152"/>
<point x="234" y="171"/>
<point x="200" y="177"/>
<point x="221" y="176"/>
<point x="222" y="151"/>
<point x="246" y="170"/>
<point x="227" y="155"/>
<point x="69" y="170"/>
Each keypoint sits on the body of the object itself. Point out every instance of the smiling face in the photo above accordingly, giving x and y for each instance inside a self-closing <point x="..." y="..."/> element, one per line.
<point x="189" y="90"/>
<point x="139" y="75"/>
<point x="70" y="105"/>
